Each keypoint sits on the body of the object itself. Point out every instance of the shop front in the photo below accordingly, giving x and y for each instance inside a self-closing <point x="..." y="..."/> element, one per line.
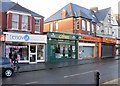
<point x="2" y="39"/>
<point x="118" y="47"/>
<point x="30" y="48"/>
<point x="88" y="47"/>
<point x="61" y="46"/>
<point x="108" y="47"/>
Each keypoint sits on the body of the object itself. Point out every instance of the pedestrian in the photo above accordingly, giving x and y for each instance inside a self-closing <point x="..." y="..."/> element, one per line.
<point x="11" y="57"/>
<point x="15" y="59"/>
<point x="18" y="58"/>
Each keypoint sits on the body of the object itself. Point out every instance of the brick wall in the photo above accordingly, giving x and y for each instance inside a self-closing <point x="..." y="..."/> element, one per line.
<point x="3" y="20"/>
<point x="65" y="25"/>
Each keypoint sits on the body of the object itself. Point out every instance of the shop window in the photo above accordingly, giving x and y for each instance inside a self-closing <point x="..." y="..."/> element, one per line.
<point x="37" y="25"/>
<point x="65" y="51"/>
<point x="40" y="52"/>
<point x="15" y="19"/>
<point x="22" y="51"/>
<point x="83" y="25"/>
<point x="24" y="22"/>
<point x="86" y="51"/>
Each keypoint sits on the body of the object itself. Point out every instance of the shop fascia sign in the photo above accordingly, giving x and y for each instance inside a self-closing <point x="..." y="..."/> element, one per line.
<point x="2" y="37"/>
<point x="14" y="37"/>
<point x="109" y="40"/>
<point x="61" y="36"/>
<point x="89" y="38"/>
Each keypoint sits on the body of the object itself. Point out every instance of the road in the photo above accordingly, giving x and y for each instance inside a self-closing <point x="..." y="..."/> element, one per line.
<point x="81" y="74"/>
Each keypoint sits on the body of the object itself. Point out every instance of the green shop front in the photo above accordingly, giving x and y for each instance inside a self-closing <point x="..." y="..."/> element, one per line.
<point x="62" y="47"/>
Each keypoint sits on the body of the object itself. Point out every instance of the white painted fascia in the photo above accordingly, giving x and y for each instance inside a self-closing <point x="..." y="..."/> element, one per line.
<point x="37" y="17"/>
<point x="18" y="12"/>
<point x="86" y="44"/>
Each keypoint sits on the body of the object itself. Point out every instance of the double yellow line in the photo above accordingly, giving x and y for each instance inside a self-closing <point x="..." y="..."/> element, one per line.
<point x="112" y="81"/>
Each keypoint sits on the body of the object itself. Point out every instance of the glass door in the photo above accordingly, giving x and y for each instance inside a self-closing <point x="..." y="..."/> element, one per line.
<point x="32" y="53"/>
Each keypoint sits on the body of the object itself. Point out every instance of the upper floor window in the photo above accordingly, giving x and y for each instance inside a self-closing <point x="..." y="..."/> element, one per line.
<point x="93" y="28"/>
<point x="56" y="26"/>
<point x="37" y="25"/>
<point x="110" y="30"/>
<point x="15" y="21"/>
<point x="88" y="26"/>
<point x="24" y="22"/>
<point x="98" y="28"/>
<point x="83" y="24"/>
<point x="51" y="27"/>
<point x="76" y="24"/>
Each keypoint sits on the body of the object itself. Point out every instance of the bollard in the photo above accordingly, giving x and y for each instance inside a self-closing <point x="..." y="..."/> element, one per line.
<point x="97" y="78"/>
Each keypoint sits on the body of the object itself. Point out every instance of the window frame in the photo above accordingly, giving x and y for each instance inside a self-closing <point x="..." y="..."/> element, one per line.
<point x="25" y="29"/>
<point x="51" y="27"/>
<point x="93" y="28"/>
<point x="88" y="25"/>
<point x="37" y="25"/>
<point x="15" y="21"/>
<point x="56" y="26"/>
<point x="83" y="25"/>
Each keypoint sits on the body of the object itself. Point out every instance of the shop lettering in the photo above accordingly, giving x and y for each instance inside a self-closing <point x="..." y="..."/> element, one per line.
<point x="63" y="36"/>
<point x="14" y="37"/>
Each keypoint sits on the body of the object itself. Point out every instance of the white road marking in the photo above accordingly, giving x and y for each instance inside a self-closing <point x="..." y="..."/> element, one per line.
<point x="31" y="83"/>
<point x="80" y="73"/>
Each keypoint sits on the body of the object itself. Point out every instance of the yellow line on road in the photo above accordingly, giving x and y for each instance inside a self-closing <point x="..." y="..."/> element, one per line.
<point x="112" y="81"/>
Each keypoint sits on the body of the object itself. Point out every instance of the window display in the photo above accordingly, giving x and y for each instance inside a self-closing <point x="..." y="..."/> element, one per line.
<point x="40" y="52"/>
<point x="65" y="51"/>
<point x="22" y="51"/>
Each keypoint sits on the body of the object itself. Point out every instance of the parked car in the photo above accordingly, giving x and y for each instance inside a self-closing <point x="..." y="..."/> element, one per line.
<point x="6" y="67"/>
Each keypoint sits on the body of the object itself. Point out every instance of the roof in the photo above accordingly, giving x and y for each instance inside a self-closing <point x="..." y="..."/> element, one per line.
<point x="101" y="14"/>
<point x="73" y="10"/>
<point x="7" y="5"/>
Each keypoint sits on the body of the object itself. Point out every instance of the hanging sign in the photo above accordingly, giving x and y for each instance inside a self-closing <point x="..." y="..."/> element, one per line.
<point x="2" y="37"/>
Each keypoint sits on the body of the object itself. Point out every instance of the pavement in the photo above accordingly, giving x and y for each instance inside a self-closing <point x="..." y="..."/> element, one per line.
<point x="42" y="66"/>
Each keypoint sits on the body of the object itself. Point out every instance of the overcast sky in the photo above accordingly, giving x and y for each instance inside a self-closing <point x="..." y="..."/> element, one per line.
<point x="49" y="7"/>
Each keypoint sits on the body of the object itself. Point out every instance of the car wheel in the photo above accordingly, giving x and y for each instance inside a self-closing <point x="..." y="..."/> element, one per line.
<point x="8" y="72"/>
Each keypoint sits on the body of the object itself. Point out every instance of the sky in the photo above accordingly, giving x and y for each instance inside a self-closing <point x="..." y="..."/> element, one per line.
<point x="47" y="8"/>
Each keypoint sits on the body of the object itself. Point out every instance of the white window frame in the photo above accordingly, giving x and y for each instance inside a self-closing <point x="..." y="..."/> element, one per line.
<point x="88" y="26"/>
<point x="37" y="25"/>
<point x="93" y="28"/>
<point x="56" y="26"/>
<point x="83" y="25"/>
<point x="25" y="22"/>
<point x="51" y="27"/>
<point x="110" y="31"/>
<point x="15" y="21"/>
<point x="97" y="28"/>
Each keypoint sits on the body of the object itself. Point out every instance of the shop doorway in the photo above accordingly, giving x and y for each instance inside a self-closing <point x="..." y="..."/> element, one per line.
<point x="36" y="53"/>
<point x="32" y="53"/>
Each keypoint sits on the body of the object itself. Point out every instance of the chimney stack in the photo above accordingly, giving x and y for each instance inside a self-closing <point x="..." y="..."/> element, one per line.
<point x="95" y="9"/>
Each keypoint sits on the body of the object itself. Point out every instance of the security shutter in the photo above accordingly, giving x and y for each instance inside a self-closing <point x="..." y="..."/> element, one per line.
<point x="106" y="51"/>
